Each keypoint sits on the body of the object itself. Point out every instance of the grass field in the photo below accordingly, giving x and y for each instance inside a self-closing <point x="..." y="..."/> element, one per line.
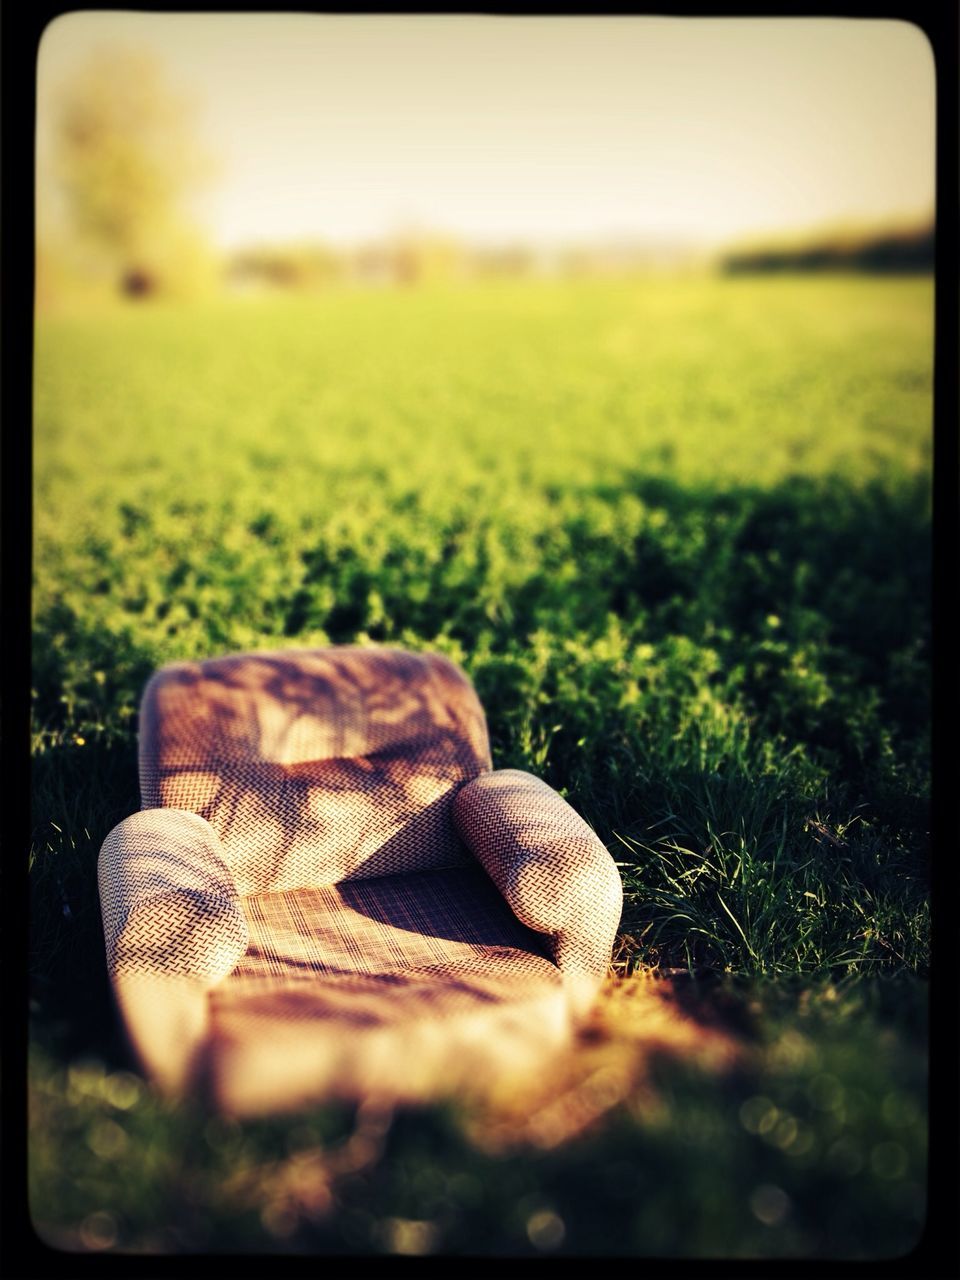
<point x="677" y="532"/>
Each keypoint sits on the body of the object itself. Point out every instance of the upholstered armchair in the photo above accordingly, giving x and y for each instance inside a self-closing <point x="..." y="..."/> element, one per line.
<point x="328" y="891"/>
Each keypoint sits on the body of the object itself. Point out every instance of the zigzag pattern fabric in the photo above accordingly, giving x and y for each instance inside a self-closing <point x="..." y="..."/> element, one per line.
<point x="168" y="899"/>
<point x="326" y="858"/>
<point x="315" y="766"/>
<point x="549" y="865"/>
<point x="427" y="920"/>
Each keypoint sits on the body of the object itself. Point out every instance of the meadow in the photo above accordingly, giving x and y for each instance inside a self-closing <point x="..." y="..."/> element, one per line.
<point x="677" y="530"/>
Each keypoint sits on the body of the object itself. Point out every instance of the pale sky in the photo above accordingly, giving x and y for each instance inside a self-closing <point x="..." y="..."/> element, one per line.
<point x="339" y="127"/>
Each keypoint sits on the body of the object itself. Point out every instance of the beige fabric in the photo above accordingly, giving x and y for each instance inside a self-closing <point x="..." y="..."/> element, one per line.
<point x="315" y="766"/>
<point x="425" y="920"/>
<point x="168" y="898"/>
<point x="552" y="869"/>
<point x="402" y="985"/>
<point x="294" y="914"/>
<point x="167" y="1020"/>
<point x="406" y="1036"/>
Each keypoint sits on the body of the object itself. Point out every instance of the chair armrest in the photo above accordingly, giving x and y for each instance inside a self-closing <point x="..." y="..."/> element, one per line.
<point x="551" y="868"/>
<point x="173" y="927"/>
<point x="168" y="900"/>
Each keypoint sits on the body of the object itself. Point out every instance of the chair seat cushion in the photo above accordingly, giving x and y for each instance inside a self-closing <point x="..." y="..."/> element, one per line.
<point x="399" y="985"/>
<point x="426" y="920"/>
<point x="407" y="1037"/>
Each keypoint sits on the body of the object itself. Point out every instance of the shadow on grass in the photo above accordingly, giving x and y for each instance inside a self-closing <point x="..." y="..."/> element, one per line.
<point x="79" y="793"/>
<point x="813" y="595"/>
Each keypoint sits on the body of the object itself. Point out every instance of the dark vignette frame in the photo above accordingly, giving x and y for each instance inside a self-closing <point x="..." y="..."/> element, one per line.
<point x="937" y="1253"/>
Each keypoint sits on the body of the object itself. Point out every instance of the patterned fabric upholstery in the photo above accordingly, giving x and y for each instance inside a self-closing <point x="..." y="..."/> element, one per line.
<point x="315" y="767"/>
<point x="329" y="891"/>
<point x="551" y="868"/>
<point x="168" y="900"/>
<point x="429" y="920"/>
<point x="406" y="1035"/>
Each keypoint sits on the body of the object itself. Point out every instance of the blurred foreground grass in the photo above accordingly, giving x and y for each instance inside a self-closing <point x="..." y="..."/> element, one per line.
<point x="800" y="1133"/>
<point x="678" y="533"/>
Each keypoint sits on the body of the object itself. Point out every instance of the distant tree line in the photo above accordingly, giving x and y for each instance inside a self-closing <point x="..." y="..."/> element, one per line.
<point x="400" y="259"/>
<point x="421" y="256"/>
<point x="894" y="251"/>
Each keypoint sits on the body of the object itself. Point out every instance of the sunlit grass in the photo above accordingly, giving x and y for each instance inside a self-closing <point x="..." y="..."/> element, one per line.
<point x="677" y="532"/>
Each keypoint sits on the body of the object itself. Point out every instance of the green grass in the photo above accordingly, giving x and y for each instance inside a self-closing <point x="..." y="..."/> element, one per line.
<point x="676" y="530"/>
<point x="815" y="1146"/>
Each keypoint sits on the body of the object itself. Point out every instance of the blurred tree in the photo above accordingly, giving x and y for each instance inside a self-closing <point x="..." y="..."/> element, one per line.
<point x="127" y="158"/>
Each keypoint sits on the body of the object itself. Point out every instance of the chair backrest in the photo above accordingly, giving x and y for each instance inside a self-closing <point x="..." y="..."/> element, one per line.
<point x="315" y="766"/>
